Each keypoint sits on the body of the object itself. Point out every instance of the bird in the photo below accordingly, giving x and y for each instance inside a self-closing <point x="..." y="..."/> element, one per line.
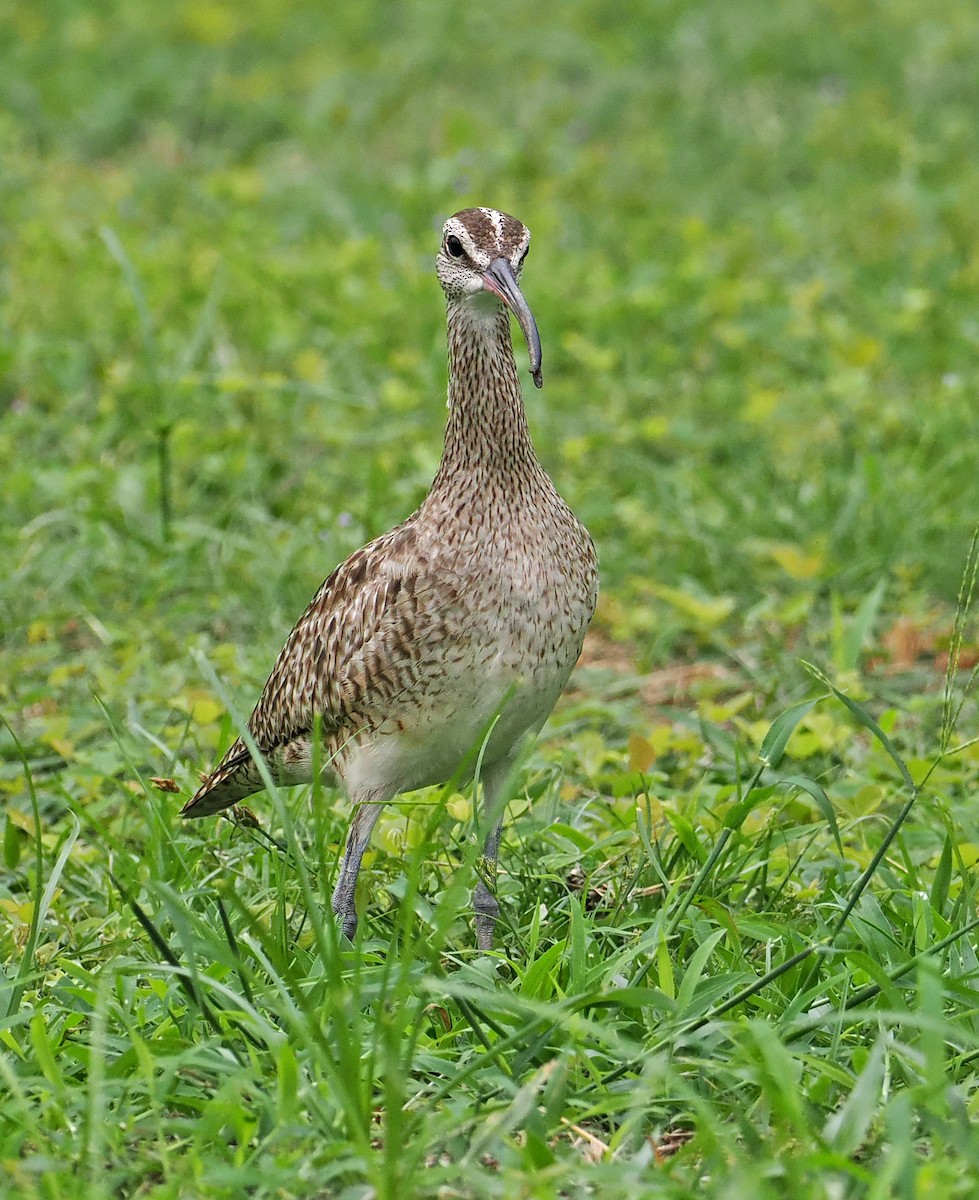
<point x="442" y="646"/>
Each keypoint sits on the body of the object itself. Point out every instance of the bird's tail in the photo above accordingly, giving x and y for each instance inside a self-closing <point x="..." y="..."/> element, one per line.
<point x="235" y="777"/>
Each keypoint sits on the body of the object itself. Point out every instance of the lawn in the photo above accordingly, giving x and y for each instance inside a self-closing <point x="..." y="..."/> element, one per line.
<point x="738" y="868"/>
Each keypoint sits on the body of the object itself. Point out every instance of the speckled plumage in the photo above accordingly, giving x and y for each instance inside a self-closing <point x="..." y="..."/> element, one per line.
<point x="471" y="611"/>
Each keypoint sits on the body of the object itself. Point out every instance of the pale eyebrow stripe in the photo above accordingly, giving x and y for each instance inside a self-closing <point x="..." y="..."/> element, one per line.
<point x="497" y="219"/>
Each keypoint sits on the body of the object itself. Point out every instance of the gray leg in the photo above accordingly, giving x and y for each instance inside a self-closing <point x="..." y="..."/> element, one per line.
<point x="344" y="894"/>
<point x="485" y="904"/>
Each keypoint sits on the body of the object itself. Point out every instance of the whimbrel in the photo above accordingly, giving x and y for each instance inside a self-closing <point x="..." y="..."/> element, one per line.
<point x="450" y="638"/>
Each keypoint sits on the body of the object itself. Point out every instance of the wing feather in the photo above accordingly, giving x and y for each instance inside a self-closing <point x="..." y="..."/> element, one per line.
<point x="354" y="649"/>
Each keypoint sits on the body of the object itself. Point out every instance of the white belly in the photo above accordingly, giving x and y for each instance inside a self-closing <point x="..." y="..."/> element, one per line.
<point x="493" y="678"/>
<point x="483" y="719"/>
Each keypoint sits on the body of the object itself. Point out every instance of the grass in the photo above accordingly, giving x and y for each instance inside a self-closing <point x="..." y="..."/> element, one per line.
<point x="739" y="888"/>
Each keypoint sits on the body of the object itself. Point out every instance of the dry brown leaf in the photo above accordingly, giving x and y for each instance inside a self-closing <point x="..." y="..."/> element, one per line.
<point x="668" y="685"/>
<point x="593" y="1148"/>
<point x="905" y="642"/>
<point x="673" y="685"/>
<point x="672" y="1141"/>
<point x="163" y="784"/>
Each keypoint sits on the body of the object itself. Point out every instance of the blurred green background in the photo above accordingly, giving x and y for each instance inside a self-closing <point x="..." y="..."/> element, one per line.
<point x="754" y="270"/>
<point x="222" y="368"/>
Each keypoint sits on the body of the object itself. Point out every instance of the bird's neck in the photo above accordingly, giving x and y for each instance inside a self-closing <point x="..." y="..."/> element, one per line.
<point x="487" y="433"/>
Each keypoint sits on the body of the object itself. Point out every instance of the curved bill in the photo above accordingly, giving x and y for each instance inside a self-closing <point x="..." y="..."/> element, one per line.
<point x="499" y="279"/>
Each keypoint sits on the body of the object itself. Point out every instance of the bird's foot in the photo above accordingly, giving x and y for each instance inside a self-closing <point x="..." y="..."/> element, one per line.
<point x="345" y="913"/>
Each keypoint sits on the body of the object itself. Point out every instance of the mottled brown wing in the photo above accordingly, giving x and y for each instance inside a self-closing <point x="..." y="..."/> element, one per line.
<point x="351" y="653"/>
<point x="352" y="649"/>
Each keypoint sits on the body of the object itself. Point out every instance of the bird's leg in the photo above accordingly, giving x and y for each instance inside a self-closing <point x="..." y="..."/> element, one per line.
<point x="344" y="894"/>
<point x="485" y="904"/>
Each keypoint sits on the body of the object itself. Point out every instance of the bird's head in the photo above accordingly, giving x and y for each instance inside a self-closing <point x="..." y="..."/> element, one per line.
<point x="479" y="264"/>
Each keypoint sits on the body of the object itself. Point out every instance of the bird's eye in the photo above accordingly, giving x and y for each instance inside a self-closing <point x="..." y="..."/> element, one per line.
<point x="454" y="246"/>
<point x="523" y="257"/>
